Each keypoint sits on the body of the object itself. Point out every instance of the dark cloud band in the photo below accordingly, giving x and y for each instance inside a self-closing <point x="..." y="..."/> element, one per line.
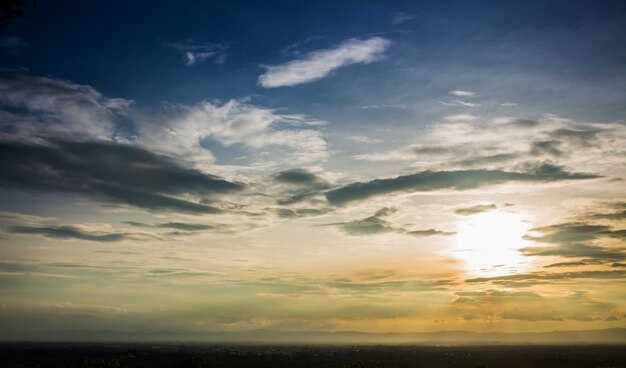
<point x="439" y="180"/>
<point x="67" y="232"/>
<point x="109" y="172"/>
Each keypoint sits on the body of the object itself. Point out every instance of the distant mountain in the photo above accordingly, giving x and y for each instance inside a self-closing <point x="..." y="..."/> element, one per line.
<point x="604" y="336"/>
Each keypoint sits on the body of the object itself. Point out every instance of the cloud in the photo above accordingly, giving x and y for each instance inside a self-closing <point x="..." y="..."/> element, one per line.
<point x="294" y="48"/>
<point x="439" y="180"/>
<point x="395" y="155"/>
<point x="300" y="212"/>
<point x="459" y="103"/>
<point x="110" y="172"/>
<point x="39" y="109"/>
<point x="419" y="152"/>
<point x="429" y="232"/>
<point x="567" y="264"/>
<point x="195" y="53"/>
<point x="475" y="209"/>
<point x="376" y="224"/>
<point x="401" y="18"/>
<point x="502" y="304"/>
<point x="462" y="93"/>
<point x="552" y="276"/>
<point x="410" y="153"/>
<point x="20" y="218"/>
<point x="416" y="152"/>
<point x="382" y="106"/>
<point x="550" y="148"/>
<point x="151" y="201"/>
<point x="618" y="212"/>
<point x="185" y="226"/>
<point x="370" y="225"/>
<point x="506" y="143"/>
<point x="318" y="64"/>
<point x="573" y="241"/>
<point x="582" y="137"/>
<point x="376" y="288"/>
<point x="184" y="229"/>
<point x="58" y="136"/>
<point x="174" y="225"/>
<point x="56" y="108"/>
<point x="592" y="254"/>
<point x="485" y="160"/>
<point x="363" y="139"/>
<point x="500" y="294"/>
<point x="461" y="117"/>
<point x="432" y="150"/>
<point x="527" y="315"/>
<point x="299" y="185"/>
<point x="12" y="44"/>
<point x="296" y="177"/>
<point x="16" y="267"/>
<point x="572" y="232"/>
<point x="67" y="232"/>
<point x="234" y="122"/>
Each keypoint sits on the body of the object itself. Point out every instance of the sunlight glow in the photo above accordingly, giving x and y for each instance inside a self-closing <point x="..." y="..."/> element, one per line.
<point x="488" y="243"/>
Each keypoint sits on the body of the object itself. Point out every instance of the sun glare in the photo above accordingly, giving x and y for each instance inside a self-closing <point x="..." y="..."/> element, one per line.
<point x="488" y="243"/>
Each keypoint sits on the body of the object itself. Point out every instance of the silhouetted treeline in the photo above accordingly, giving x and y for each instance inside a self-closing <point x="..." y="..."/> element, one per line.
<point x="290" y="356"/>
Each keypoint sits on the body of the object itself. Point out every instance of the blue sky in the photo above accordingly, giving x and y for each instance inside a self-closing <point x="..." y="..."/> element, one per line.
<point x="290" y="156"/>
<point x="121" y="49"/>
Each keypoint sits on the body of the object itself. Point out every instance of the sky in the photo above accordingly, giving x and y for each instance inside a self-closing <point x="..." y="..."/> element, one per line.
<point x="281" y="166"/>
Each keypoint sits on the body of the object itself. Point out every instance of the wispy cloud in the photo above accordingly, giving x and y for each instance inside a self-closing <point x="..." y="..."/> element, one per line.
<point x="318" y="64"/>
<point x="371" y="225"/>
<point x="541" y="276"/>
<point x="377" y="224"/>
<point x="12" y="44"/>
<point x="461" y="93"/>
<point x="615" y="211"/>
<point x="178" y="229"/>
<point x="461" y="117"/>
<point x="550" y="147"/>
<point x="410" y="153"/>
<point x="363" y="139"/>
<point x="475" y="209"/>
<point x="459" y="103"/>
<point x="383" y="106"/>
<point x="394" y="155"/>
<point x="578" y="240"/>
<point x="234" y="122"/>
<point x="486" y="160"/>
<point x="68" y="232"/>
<point x="195" y="53"/>
<point x="506" y="142"/>
<point x="56" y="108"/>
<point x="401" y="18"/>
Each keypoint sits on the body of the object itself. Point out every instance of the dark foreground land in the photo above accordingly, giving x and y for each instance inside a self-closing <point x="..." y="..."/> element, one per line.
<point x="277" y="356"/>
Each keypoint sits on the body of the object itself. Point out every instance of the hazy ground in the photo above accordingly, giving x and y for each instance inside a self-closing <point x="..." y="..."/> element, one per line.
<point x="172" y="355"/>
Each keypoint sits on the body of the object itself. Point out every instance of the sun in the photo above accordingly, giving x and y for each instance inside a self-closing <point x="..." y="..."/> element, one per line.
<point x="488" y="243"/>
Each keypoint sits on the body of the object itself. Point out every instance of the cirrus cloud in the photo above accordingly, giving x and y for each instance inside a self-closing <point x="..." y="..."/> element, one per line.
<point x="318" y="64"/>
